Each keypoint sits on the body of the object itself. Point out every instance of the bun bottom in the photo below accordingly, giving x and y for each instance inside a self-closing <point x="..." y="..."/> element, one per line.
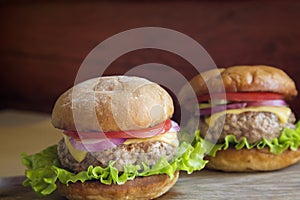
<point x="251" y="160"/>
<point x="149" y="187"/>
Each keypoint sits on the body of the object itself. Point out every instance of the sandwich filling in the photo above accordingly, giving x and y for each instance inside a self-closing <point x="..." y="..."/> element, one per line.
<point x="76" y="147"/>
<point x="247" y="118"/>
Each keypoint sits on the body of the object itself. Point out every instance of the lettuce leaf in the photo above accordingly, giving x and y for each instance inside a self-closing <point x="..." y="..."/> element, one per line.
<point x="289" y="139"/>
<point x="40" y="175"/>
<point x="44" y="169"/>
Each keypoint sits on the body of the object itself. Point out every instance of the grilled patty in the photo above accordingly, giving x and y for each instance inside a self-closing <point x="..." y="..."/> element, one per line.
<point x="253" y="125"/>
<point x="135" y="154"/>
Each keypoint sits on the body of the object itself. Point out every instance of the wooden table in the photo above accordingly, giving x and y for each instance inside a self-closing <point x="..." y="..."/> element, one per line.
<point x="205" y="184"/>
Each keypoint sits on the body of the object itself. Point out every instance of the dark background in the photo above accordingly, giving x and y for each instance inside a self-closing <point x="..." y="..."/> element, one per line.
<point x="42" y="43"/>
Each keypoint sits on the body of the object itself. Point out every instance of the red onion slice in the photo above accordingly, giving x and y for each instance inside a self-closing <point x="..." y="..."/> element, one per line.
<point x="219" y="108"/>
<point x="278" y="102"/>
<point x="96" y="145"/>
<point x="175" y="127"/>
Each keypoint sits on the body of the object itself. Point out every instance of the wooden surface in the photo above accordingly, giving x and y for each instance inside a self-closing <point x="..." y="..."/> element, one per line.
<point x="204" y="184"/>
<point x="43" y="43"/>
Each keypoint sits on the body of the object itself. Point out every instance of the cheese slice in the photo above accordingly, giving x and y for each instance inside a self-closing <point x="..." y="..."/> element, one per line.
<point x="78" y="155"/>
<point x="283" y="113"/>
<point x="168" y="137"/>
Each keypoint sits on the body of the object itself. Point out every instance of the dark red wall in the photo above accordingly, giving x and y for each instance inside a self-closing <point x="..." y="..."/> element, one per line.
<point x="43" y="44"/>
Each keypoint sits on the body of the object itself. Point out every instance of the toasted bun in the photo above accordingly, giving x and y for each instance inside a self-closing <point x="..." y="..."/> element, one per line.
<point x="140" y="188"/>
<point x="247" y="160"/>
<point x="112" y="103"/>
<point x="258" y="78"/>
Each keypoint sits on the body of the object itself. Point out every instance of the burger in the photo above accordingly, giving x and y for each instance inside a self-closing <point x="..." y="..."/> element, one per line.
<point x="245" y="120"/>
<point x="118" y="143"/>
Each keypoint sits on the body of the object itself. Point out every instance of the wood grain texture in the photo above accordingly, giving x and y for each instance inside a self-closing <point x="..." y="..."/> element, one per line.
<point x="283" y="184"/>
<point x="43" y="44"/>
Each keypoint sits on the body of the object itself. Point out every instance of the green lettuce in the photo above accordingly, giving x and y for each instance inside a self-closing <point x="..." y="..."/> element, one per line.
<point x="40" y="175"/>
<point x="44" y="169"/>
<point x="289" y="139"/>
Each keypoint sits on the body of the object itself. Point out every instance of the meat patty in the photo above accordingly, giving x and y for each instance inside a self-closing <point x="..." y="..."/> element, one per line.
<point x="253" y="125"/>
<point x="135" y="154"/>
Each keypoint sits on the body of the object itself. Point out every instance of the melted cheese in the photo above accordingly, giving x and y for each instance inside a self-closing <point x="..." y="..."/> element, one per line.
<point x="77" y="154"/>
<point x="282" y="113"/>
<point x="169" y="138"/>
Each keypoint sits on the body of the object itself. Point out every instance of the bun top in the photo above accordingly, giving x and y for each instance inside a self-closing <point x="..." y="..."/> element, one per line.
<point x="112" y="103"/>
<point x="258" y="78"/>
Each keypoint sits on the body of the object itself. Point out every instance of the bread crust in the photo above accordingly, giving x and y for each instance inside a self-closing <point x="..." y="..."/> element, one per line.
<point x="251" y="160"/>
<point x="256" y="78"/>
<point x="140" y="188"/>
<point x="112" y="103"/>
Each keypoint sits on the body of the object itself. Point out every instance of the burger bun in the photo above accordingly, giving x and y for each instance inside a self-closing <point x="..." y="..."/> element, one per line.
<point x="148" y="187"/>
<point x="112" y="103"/>
<point x="251" y="160"/>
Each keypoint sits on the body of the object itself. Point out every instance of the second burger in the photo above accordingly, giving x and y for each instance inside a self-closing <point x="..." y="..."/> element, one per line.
<point x="247" y="117"/>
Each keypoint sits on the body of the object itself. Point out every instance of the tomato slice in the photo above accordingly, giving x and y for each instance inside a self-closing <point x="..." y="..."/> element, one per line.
<point x="242" y="96"/>
<point x="142" y="133"/>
